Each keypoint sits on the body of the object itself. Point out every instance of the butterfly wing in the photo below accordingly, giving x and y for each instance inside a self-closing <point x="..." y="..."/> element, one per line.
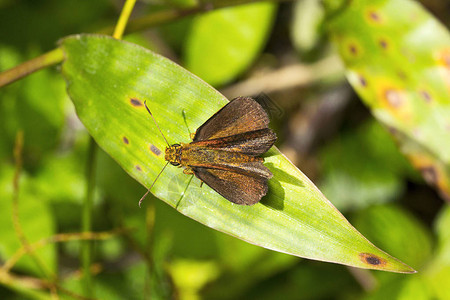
<point x="250" y="143"/>
<point x="242" y="189"/>
<point x="242" y="114"/>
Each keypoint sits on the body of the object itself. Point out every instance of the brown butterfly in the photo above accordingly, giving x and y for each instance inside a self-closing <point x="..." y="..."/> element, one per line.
<point x="225" y="151"/>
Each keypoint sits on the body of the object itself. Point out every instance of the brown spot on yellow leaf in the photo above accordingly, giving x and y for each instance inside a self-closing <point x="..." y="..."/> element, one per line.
<point x="353" y="49"/>
<point x="373" y="16"/>
<point x="426" y="96"/>
<point x="363" y="81"/>
<point x="393" y="98"/>
<point x="383" y="43"/>
<point x="432" y="171"/>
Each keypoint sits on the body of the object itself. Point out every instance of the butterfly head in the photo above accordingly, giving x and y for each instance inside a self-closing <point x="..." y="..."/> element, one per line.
<point x="173" y="154"/>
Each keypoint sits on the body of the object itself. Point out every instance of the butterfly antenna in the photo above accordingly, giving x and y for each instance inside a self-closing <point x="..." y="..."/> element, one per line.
<point x="145" y="104"/>
<point x="148" y="191"/>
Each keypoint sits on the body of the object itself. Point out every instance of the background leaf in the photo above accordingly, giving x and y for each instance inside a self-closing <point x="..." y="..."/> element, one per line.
<point x="397" y="57"/>
<point x="363" y="167"/>
<point x="223" y="43"/>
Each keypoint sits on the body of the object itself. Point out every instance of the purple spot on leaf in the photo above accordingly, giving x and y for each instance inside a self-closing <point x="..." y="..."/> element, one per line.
<point x="135" y="102"/>
<point x="363" y="81"/>
<point x="426" y="96"/>
<point x="155" y="150"/>
<point x="374" y="16"/>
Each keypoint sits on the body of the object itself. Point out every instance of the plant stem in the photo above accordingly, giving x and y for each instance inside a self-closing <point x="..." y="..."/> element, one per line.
<point x="123" y="19"/>
<point x="90" y="176"/>
<point x="47" y="59"/>
<point x="86" y="250"/>
<point x="162" y="17"/>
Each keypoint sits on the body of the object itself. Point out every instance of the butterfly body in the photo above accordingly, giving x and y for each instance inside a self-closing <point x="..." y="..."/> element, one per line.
<point x="225" y="152"/>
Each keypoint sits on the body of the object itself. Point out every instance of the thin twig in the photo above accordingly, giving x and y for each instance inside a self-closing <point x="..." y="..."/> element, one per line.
<point x="31" y="286"/>
<point x="34" y="283"/>
<point x="287" y="77"/>
<point x="59" y="238"/>
<point x="45" y="60"/>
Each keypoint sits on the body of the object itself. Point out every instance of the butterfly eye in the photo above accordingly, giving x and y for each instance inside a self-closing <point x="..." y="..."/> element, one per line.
<point x="174" y="163"/>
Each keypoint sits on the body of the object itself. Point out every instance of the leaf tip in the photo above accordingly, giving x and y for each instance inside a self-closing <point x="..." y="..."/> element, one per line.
<point x="376" y="262"/>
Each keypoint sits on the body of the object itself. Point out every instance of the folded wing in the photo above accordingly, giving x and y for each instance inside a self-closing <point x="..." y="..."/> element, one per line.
<point x="242" y="114"/>
<point x="251" y="143"/>
<point x="238" y="188"/>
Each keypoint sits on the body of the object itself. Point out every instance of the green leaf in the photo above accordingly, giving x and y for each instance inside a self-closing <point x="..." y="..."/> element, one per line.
<point x="108" y="80"/>
<point x="398" y="60"/>
<point x="223" y="43"/>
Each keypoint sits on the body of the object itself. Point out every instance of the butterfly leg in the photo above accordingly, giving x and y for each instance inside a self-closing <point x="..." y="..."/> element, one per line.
<point x="188" y="171"/>
<point x="193" y="135"/>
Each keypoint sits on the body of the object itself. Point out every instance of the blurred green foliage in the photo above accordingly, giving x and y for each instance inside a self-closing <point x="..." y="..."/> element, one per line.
<point x="363" y="167"/>
<point x="233" y="35"/>
<point x="361" y="170"/>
